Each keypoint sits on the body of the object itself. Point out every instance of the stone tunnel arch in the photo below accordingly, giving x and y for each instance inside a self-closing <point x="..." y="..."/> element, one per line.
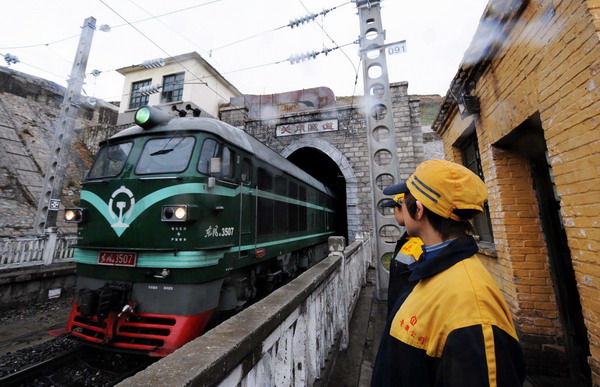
<point x="351" y="189"/>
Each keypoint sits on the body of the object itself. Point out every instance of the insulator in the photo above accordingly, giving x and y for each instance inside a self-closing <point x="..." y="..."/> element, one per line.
<point x="150" y="89"/>
<point x="153" y="63"/>
<point x="11" y="59"/>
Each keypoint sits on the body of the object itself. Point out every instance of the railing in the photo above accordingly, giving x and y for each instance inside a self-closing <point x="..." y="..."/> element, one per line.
<point x="289" y="338"/>
<point x="36" y="250"/>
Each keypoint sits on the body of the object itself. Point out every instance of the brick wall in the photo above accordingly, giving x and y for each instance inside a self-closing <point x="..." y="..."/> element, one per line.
<point x="546" y="66"/>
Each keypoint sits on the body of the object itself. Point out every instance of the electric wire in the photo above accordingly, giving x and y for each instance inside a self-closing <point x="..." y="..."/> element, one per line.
<point x="324" y="51"/>
<point x="271" y="30"/>
<point x="169" y="55"/>
<point x="95" y="72"/>
<point x="117" y="26"/>
<point x="156" y="45"/>
<point x="355" y="81"/>
<point x="209" y="51"/>
<point x="44" y="70"/>
<point x="269" y="64"/>
<point x="329" y="36"/>
<point x="171" y="29"/>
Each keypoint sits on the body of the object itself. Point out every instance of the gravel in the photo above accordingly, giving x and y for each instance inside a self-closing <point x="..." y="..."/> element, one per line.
<point x="31" y="355"/>
<point x="12" y="315"/>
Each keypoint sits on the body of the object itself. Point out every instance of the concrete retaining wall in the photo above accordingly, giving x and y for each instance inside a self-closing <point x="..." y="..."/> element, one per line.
<point x="288" y="338"/>
<point x="31" y="285"/>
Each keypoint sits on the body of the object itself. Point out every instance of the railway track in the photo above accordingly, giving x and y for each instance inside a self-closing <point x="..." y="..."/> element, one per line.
<point x="27" y="374"/>
<point x="80" y="366"/>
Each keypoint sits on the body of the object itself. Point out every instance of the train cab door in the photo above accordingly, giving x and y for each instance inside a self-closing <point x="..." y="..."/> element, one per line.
<point x="247" y="211"/>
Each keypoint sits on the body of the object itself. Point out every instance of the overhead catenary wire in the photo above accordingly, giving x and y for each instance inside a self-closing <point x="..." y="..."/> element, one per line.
<point x="324" y="51"/>
<point x="117" y="26"/>
<point x="329" y="36"/>
<point x="96" y="72"/>
<point x="291" y="24"/>
<point x="156" y="17"/>
<point x="170" y="56"/>
<point x="162" y="49"/>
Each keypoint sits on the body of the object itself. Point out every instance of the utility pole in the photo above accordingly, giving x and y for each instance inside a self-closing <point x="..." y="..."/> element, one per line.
<point x="57" y="161"/>
<point x="381" y="134"/>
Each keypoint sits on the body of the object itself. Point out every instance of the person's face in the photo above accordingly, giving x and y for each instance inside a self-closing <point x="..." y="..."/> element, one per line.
<point x="409" y="222"/>
<point x="398" y="215"/>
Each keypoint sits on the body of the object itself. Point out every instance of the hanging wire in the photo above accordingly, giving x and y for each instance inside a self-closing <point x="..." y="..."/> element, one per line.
<point x="117" y="26"/>
<point x="329" y="36"/>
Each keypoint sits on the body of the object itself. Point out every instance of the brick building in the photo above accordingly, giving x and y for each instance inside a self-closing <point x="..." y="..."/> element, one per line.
<point x="523" y="111"/>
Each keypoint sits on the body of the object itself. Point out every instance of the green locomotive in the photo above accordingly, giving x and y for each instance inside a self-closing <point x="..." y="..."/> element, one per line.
<point x="182" y="217"/>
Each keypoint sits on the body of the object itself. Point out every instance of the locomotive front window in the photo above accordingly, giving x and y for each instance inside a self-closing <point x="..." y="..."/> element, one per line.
<point x="110" y="161"/>
<point x="246" y="169"/>
<point x="165" y="155"/>
<point x="228" y="163"/>
<point x="210" y="149"/>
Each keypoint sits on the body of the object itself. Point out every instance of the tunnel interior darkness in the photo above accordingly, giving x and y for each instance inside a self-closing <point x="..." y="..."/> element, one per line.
<point x="323" y="168"/>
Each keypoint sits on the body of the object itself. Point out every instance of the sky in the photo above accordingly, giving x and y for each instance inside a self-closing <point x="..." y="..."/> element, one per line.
<point x="245" y="40"/>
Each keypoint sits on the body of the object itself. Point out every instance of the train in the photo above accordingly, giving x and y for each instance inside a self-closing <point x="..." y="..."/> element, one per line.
<point x="183" y="218"/>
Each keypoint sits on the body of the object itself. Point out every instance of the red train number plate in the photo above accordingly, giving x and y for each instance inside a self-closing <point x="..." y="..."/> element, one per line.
<point x="117" y="258"/>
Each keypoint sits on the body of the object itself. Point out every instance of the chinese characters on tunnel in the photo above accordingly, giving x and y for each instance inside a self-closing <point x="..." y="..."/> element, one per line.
<point x="307" y="127"/>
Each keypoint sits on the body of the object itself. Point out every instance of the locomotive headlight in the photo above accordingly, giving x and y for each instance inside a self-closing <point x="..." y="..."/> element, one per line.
<point x="73" y="215"/>
<point x="181" y="213"/>
<point x="177" y="213"/>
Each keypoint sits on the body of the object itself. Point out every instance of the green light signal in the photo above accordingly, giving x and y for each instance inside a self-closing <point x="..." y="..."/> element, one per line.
<point x="142" y="116"/>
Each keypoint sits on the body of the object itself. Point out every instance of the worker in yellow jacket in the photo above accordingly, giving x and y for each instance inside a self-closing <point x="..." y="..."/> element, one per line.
<point x="451" y="327"/>
<point x="407" y="251"/>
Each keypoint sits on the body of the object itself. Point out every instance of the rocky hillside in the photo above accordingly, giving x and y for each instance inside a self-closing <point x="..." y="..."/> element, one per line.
<point x="430" y="107"/>
<point x="29" y="107"/>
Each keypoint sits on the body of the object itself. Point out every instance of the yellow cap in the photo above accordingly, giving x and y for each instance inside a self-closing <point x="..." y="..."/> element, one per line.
<point x="443" y="186"/>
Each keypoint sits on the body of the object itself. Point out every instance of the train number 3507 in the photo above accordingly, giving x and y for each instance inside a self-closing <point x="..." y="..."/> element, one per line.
<point x="214" y="231"/>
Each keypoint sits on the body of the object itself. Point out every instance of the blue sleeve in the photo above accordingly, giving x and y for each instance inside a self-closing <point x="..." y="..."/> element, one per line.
<point x="478" y="355"/>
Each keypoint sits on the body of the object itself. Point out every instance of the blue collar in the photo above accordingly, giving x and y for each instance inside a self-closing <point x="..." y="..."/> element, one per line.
<point x="440" y="257"/>
<point x="433" y="250"/>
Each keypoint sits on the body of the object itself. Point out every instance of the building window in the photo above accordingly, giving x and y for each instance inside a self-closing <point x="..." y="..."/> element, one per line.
<point x="471" y="159"/>
<point x="137" y="99"/>
<point x="172" y="90"/>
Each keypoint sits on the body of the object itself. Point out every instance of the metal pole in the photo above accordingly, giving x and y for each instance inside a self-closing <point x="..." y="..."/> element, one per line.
<point x="57" y="161"/>
<point x="383" y="154"/>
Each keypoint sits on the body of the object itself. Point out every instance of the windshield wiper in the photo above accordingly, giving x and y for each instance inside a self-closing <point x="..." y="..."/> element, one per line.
<point x="165" y="149"/>
<point x="162" y="151"/>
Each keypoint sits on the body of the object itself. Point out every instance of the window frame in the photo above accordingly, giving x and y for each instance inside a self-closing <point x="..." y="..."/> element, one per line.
<point x="169" y="139"/>
<point x="172" y="91"/>
<point x="106" y="149"/>
<point x="471" y="159"/>
<point x="140" y="100"/>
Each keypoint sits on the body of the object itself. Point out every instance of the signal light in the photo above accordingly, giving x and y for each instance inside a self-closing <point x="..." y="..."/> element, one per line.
<point x="73" y="215"/>
<point x="148" y="117"/>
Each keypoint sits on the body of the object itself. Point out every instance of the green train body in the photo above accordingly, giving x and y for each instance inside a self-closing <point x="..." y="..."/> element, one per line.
<point x="180" y="217"/>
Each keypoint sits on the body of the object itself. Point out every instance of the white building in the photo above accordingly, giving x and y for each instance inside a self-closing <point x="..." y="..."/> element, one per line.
<point x="184" y="79"/>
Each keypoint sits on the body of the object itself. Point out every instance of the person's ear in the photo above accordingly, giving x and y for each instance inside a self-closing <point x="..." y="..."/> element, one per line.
<point x="420" y="211"/>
